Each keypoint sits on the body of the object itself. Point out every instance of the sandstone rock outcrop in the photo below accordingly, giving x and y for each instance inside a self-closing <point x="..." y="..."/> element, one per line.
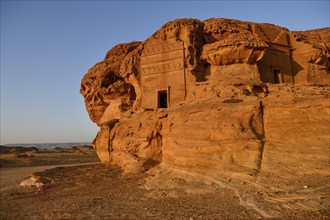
<point x="222" y="98"/>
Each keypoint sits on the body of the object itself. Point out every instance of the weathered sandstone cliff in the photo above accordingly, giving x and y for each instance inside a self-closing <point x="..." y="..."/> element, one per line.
<point x="220" y="98"/>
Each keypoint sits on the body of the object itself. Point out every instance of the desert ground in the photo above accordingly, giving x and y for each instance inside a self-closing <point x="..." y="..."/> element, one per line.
<point x="92" y="190"/>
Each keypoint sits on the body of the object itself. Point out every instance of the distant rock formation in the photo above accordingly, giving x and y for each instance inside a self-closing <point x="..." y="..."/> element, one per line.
<point x="16" y="149"/>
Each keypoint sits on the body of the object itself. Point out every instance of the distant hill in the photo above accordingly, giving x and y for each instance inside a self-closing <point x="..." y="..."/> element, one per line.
<point x="50" y="145"/>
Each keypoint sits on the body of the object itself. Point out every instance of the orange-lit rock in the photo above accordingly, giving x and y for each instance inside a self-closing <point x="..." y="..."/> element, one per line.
<point x="220" y="97"/>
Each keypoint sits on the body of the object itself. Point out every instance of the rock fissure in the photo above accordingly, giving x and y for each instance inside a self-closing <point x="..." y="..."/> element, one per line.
<point x="111" y="137"/>
<point x="262" y="140"/>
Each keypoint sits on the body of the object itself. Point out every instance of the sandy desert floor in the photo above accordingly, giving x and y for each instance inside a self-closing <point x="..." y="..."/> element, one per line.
<point x="101" y="191"/>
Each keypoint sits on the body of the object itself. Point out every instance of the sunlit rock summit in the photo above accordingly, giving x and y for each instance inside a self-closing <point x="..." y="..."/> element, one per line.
<point x="221" y="97"/>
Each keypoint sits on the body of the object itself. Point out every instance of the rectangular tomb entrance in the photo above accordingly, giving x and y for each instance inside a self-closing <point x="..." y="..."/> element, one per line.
<point x="278" y="77"/>
<point x="275" y="66"/>
<point x="162" y="74"/>
<point x="162" y="99"/>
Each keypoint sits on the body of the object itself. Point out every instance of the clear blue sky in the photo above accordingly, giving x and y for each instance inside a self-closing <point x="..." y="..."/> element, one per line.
<point x="48" y="46"/>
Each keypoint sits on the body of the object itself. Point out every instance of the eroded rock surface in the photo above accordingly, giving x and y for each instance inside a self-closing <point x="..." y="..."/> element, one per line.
<point x="220" y="99"/>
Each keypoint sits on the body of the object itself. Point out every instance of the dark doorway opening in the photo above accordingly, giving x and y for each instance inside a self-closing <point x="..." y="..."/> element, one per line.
<point x="162" y="99"/>
<point x="278" y="78"/>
